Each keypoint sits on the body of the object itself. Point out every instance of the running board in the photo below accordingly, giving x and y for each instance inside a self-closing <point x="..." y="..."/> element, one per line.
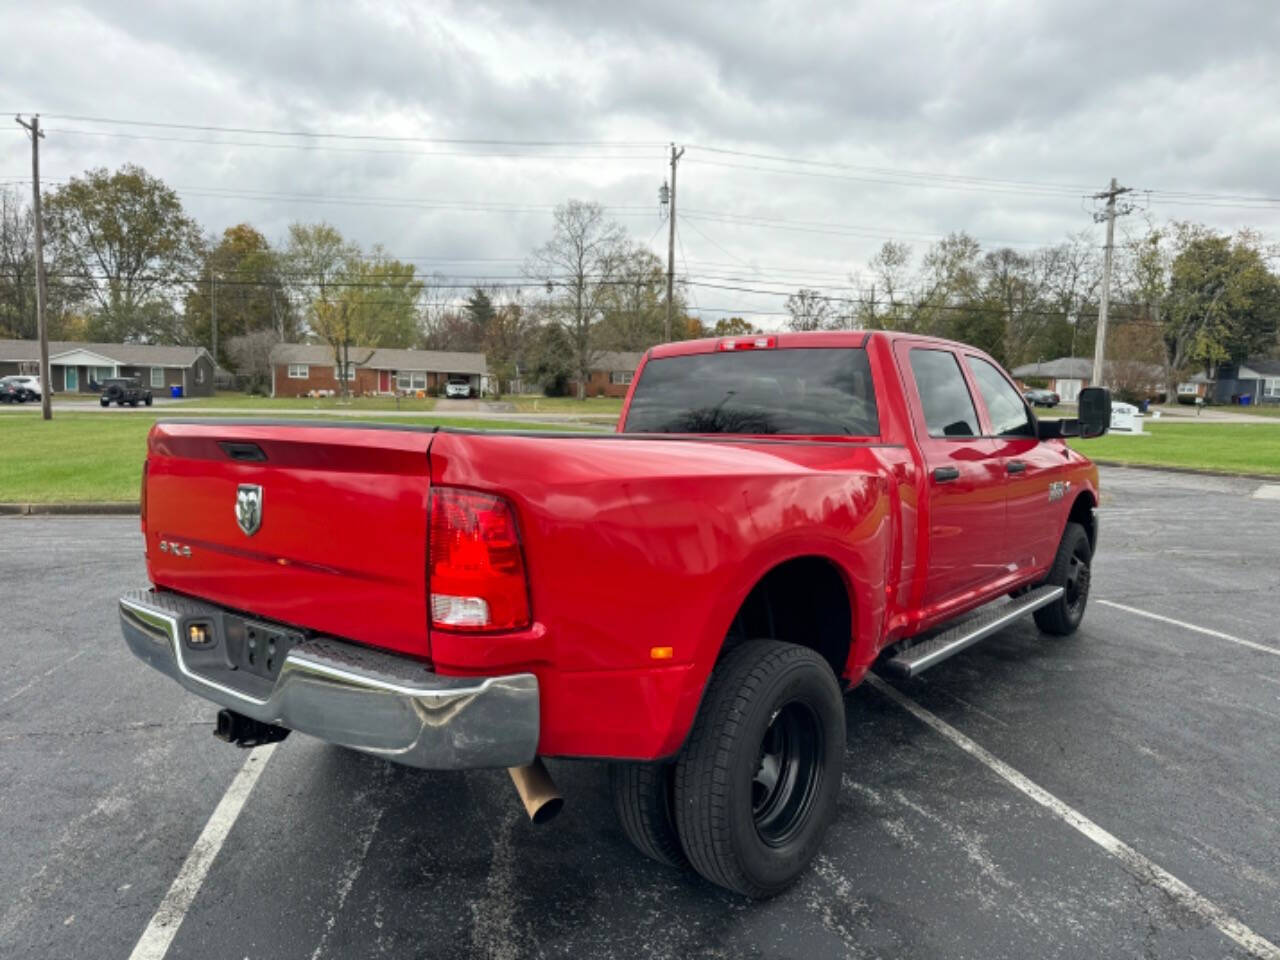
<point x="925" y="654"/>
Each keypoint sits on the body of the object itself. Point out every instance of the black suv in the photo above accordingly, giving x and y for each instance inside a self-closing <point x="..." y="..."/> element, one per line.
<point x="124" y="390"/>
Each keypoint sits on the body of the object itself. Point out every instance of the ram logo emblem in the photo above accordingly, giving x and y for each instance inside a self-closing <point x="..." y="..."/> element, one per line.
<point x="1058" y="489"/>
<point x="249" y="508"/>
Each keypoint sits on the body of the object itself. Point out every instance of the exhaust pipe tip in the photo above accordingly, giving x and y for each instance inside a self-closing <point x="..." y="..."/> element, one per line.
<point x="538" y="792"/>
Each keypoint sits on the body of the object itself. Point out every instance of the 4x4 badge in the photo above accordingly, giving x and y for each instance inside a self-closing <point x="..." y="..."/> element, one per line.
<point x="249" y="508"/>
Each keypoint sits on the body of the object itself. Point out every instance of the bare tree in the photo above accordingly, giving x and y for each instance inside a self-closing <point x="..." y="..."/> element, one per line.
<point x="578" y="265"/>
<point x="809" y="310"/>
<point x="251" y="354"/>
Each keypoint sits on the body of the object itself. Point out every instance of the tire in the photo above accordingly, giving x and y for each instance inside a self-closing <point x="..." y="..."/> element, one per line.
<point x="104" y="402"/>
<point x="643" y="798"/>
<point x="738" y="829"/>
<point x="1070" y="570"/>
<point x="147" y="401"/>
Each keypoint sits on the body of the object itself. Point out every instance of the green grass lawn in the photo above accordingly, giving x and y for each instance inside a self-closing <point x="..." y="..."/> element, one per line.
<point x="98" y="456"/>
<point x="592" y="406"/>
<point x="285" y="404"/>
<point x="1230" y="447"/>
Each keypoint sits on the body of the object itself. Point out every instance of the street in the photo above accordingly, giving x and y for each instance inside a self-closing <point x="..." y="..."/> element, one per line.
<point x="1159" y="722"/>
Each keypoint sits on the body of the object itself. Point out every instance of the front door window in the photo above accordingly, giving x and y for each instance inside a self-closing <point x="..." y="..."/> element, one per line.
<point x="73" y="379"/>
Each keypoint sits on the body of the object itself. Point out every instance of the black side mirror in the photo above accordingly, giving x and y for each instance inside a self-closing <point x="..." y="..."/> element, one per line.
<point x="1095" y="411"/>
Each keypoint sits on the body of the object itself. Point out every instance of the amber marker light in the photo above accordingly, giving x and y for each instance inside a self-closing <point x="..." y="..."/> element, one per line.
<point x="661" y="653"/>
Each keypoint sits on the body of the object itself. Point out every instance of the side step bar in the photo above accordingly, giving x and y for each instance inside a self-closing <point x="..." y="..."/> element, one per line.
<point x="937" y="648"/>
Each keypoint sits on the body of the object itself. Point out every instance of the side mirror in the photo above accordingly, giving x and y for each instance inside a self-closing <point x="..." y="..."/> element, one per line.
<point x="1095" y="411"/>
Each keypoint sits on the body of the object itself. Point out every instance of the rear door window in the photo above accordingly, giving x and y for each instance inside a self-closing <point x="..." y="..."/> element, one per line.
<point x="809" y="391"/>
<point x="944" y="395"/>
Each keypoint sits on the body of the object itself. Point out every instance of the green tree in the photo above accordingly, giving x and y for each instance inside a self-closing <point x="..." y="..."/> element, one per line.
<point x="317" y="257"/>
<point x="732" y="327"/>
<point x="479" y="310"/>
<point x="129" y="249"/>
<point x="242" y="279"/>
<point x="380" y="295"/>
<point x="1223" y="303"/>
<point x="635" y="305"/>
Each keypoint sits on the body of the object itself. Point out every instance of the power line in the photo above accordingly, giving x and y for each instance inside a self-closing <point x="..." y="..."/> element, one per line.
<point x="371" y="137"/>
<point x="311" y="146"/>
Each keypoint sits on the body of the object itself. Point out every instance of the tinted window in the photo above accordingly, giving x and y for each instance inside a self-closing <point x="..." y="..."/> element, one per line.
<point x="948" y="408"/>
<point x="810" y="391"/>
<point x="1007" y="411"/>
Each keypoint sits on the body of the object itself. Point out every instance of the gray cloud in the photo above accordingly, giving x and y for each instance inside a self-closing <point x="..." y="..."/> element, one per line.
<point x="1174" y="95"/>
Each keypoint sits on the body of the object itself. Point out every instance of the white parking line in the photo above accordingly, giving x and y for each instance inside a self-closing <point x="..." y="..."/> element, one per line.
<point x="1135" y="863"/>
<point x="1191" y="626"/>
<point x="155" y="940"/>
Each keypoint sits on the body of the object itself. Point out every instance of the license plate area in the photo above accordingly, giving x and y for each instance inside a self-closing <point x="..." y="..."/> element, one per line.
<point x="258" y="648"/>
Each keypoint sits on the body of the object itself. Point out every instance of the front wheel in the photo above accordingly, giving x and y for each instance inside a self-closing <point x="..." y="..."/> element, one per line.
<point x="1070" y="571"/>
<point x="757" y="782"/>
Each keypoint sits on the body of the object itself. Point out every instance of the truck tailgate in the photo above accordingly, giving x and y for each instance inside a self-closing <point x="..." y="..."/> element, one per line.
<point x="340" y="545"/>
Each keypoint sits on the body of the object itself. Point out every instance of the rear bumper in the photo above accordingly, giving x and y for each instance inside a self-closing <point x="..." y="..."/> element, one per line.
<point x="382" y="704"/>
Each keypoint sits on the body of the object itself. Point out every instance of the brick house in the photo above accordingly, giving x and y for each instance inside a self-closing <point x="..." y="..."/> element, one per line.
<point x="75" y="366"/>
<point x="611" y="375"/>
<point x="299" y="368"/>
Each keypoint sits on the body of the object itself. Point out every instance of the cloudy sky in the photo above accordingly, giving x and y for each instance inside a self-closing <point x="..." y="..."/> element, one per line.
<point x="813" y="131"/>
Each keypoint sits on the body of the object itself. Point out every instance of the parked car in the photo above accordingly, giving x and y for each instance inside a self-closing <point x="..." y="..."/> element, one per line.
<point x="457" y="389"/>
<point x="1041" y="398"/>
<point x="122" y="390"/>
<point x="688" y="598"/>
<point x="30" y="386"/>
<point x="11" y="392"/>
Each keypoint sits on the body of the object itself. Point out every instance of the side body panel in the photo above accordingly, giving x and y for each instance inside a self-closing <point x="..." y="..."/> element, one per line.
<point x="637" y="543"/>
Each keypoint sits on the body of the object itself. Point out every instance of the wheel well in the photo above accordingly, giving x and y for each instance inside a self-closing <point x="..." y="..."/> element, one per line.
<point x="803" y="601"/>
<point x="1082" y="513"/>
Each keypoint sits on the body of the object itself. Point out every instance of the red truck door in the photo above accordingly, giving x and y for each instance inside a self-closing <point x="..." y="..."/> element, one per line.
<point x="1032" y="526"/>
<point x="964" y="475"/>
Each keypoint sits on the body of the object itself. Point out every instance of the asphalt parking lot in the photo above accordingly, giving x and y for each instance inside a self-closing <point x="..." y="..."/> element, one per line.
<point x="1167" y="738"/>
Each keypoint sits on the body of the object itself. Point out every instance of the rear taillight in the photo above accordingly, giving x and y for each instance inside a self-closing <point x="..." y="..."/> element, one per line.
<point x="142" y="502"/>
<point x="475" y="565"/>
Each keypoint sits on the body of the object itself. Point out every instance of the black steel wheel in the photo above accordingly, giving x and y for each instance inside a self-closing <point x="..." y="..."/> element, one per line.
<point x="757" y="781"/>
<point x="1071" y="572"/>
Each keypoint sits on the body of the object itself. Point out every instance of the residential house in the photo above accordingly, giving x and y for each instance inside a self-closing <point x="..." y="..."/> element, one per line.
<point x="1067" y="376"/>
<point x="610" y="375"/>
<point x="1258" y="379"/>
<point x="75" y="367"/>
<point x="298" y="369"/>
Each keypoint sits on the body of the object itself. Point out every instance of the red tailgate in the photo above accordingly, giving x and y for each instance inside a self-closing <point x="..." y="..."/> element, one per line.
<point x="341" y="542"/>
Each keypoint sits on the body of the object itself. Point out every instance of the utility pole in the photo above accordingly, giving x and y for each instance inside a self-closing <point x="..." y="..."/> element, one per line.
<point x="213" y="308"/>
<point x="1100" y="341"/>
<point x="671" y="244"/>
<point x="46" y="383"/>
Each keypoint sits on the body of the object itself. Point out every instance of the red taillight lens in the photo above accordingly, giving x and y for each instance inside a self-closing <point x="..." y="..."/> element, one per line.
<point x="475" y="565"/>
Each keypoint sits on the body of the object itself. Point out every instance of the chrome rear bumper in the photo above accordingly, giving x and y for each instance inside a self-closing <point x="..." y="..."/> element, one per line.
<point x="383" y="704"/>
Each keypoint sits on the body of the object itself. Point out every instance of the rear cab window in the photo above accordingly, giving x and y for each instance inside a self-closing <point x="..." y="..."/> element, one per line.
<point x="795" y="391"/>
<point x="944" y="396"/>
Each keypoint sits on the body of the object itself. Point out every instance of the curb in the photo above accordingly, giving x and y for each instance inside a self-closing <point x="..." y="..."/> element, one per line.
<point x="1190" y="471"/>
<point x="96" y="508"/>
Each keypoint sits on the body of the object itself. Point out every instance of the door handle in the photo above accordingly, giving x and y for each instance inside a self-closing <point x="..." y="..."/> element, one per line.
<point x="943" y="474"/>
<point x="1015" y="466"/>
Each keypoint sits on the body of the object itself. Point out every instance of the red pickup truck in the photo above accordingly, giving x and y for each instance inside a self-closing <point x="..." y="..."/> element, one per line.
<point x="687" y="598"/>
